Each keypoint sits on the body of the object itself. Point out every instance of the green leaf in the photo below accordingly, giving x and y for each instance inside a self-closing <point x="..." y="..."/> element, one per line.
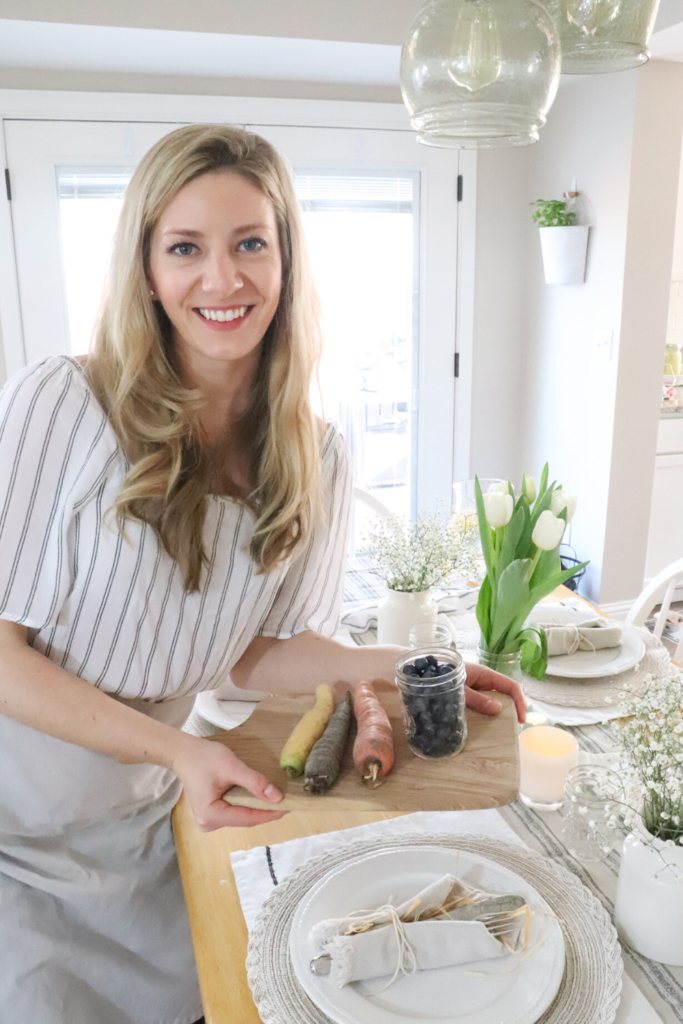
<point x="534" y="649"/>
<point x="484" y="529"/>
<point x="513" y="593"/>
<point x="543" y="481"/>
<point x="484" y="609"/>
<point x="547" y="586"/>
<point x="513" y="532"/>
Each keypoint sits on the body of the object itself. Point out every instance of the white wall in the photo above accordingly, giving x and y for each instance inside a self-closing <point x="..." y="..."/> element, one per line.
<point x="568" y="399"/>
<point x="542" y="390"/>
<point x="503" y="235"/>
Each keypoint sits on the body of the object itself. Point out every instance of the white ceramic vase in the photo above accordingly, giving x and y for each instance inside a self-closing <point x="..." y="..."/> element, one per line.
<point x="648" y="911"/>
<point x="398" y="612"/>
<point x="564" y="254"/>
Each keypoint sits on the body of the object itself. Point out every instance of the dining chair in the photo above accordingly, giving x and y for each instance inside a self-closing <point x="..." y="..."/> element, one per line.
<point x="660" y="589"/>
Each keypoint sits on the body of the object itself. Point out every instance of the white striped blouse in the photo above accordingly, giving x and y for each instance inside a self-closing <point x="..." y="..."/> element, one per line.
<point x="113" y="609"/>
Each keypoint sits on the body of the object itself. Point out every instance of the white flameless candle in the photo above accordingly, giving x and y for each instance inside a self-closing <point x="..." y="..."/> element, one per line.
<point x="545" y="756"/>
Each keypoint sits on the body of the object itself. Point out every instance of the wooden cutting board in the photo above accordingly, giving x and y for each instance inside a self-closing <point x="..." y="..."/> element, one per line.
<point x="484" y="774"/>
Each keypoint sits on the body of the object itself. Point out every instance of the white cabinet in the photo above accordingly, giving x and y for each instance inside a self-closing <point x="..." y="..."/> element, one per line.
<point x="665" y="538"/>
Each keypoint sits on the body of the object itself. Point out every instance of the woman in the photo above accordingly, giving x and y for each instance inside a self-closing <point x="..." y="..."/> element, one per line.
<point x="170" y="512"/>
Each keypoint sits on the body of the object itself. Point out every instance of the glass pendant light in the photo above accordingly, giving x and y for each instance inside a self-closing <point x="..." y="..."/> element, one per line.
<point x="603" y="35"/>
<point x="480" y="73"/>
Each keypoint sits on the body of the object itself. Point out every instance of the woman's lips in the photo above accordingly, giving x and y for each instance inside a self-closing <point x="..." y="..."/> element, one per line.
<point x="224" y="325"/>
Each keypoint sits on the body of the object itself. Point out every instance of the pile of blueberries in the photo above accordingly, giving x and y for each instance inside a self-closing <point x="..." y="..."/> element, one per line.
<point x="435" y="717"/>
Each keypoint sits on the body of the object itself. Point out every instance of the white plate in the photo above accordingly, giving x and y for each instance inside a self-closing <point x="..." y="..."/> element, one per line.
<point x="588" y="664"/>
<point x="226" y="714"/>
<point x="488" y="992"/>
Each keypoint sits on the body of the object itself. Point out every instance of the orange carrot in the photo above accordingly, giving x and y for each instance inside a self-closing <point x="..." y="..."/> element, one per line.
<point x="373" y="749"/>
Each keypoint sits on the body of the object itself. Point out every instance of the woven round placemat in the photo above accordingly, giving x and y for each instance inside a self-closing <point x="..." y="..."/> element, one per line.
<point x="596" y="693"/>
<point x="591" y="985"/>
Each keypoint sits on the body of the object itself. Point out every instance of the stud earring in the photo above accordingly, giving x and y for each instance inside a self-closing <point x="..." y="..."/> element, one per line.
<point x="151" y="292"/>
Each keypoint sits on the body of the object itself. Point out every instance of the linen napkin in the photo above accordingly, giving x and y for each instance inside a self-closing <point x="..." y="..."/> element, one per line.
<point x="393" y="940"/>
<point x="593" y="635"/>
<point x="428" y="945"/>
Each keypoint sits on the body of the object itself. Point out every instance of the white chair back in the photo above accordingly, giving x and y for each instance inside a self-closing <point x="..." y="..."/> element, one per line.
<point x="660" y="589"/>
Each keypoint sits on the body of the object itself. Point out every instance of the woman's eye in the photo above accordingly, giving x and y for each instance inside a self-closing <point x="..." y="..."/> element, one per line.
<point x="183" y="248"/>
<point x="252" y="244"/>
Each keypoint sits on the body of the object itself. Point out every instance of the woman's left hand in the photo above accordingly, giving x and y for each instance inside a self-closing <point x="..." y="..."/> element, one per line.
<point x="480" y="678"/>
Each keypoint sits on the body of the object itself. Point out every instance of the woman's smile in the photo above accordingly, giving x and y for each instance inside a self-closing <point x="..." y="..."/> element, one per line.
<point x="224" y="318"/>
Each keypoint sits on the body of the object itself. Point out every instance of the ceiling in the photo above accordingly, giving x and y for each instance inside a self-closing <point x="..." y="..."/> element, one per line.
<point x="31" y="44"/>
<point x="343" y="44"/>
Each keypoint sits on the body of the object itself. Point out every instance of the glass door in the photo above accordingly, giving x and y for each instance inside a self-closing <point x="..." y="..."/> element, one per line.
<point x="380" y="217"/>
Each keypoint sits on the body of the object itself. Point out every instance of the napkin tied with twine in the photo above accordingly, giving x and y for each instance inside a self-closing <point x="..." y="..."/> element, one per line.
<point x="592" y="635"/>
<point x="415" y="936"/>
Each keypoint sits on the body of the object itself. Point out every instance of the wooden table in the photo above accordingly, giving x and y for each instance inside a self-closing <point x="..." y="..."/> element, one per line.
<point x="219" y="932"/>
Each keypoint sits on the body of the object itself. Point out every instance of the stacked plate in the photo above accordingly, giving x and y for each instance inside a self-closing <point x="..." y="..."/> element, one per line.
<point x="570" y="971"/>
<point x="479" y="993"/>
<point x="609" y="661"/>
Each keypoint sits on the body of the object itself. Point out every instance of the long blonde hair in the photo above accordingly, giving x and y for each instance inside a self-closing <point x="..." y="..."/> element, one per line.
<point x="155" y="416"/>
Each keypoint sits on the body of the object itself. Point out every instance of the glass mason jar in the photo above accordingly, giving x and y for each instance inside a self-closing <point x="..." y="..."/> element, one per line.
<point x="433" y="703"/>
<point x="431" y="634"/>
<point x="588" y="791"/>
<point x="507" y="664"/>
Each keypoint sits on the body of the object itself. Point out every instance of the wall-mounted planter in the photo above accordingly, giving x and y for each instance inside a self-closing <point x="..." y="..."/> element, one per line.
<point x="564" y="254"/>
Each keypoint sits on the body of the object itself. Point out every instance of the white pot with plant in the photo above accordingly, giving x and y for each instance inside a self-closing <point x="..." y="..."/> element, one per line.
<point x="412" y="559"/>
<point x="564" y="244"/>
<point x="648" y="910"/>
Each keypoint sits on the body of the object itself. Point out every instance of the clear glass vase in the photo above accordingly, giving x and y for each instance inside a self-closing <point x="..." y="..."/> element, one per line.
<point x="507" y="664"/>
<point x="589" y="791"/>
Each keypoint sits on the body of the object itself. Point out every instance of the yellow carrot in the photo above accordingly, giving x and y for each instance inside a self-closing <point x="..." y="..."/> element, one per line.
<point x="307" y="732"/>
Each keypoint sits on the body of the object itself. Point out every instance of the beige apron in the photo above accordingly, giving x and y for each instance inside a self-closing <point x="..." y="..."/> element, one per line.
<point x="93" y="926"/>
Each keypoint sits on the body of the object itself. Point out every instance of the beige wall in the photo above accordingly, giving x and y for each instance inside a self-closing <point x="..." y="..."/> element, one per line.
<point x="649" y="250"/>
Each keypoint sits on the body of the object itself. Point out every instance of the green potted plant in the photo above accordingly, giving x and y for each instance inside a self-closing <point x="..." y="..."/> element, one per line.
<point x="564" y="244"/>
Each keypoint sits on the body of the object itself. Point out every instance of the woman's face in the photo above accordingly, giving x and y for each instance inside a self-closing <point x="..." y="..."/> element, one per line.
<point x="215" y="267"/>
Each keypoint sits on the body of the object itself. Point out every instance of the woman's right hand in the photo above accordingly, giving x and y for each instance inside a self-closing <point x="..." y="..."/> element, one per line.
<point x="207" y="771"/>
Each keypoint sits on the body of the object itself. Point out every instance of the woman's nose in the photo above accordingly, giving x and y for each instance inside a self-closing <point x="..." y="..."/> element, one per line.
<point x="221" y="274"/>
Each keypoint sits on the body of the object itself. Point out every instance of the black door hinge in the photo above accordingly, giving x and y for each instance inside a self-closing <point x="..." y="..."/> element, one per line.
<point x="460" y="188"/>
<point x="456" y="365"/>
<point x="7" y="184"/>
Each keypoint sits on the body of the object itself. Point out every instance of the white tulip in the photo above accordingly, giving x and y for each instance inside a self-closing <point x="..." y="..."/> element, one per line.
<point x="529" y="489"/>
<point x="560" y="500"/>
<point x="500" y="488"/>
<point x="547" y="531"/>
<point x="499" y="508"/>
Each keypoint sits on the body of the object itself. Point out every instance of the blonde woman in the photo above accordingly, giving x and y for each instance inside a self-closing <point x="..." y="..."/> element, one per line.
<point x="171" y="511"/>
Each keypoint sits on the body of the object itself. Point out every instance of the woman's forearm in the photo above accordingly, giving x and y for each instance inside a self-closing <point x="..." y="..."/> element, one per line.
<point x="36" y="692"/>
<point x="299" y="664"/>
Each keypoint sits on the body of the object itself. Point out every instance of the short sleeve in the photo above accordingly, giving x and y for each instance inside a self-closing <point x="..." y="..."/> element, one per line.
<point x="311" y="594"/>
<point x="50" y="425"/>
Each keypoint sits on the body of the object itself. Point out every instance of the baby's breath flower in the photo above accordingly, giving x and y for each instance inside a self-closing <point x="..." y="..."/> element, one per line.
<point x="413" y="557"/>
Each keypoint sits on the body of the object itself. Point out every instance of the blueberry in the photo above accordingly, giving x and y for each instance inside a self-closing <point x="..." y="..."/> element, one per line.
<point x="429" y="673"/>
<point x="444" y="669"/>
<point x="421" y="664"/>
<point x="431" y="660"/>
<point x="410" y="670"/>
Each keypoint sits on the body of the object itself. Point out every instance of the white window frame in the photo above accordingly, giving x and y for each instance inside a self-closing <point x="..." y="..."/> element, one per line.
<point x="127" y="107"/>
